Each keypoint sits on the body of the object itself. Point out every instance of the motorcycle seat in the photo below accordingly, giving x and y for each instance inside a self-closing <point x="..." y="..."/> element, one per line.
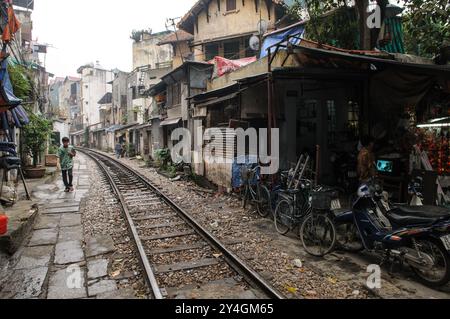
<point x="417" y="215"/>
<point x="422" y="211"/>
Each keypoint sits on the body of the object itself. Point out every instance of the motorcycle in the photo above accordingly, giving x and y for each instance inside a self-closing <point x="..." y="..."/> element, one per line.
<point x="418" y="236"/>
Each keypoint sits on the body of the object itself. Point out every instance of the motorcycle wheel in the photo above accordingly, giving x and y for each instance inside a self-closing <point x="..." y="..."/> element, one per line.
<point x="441" y="260"/>
<point x="348" y="239"/>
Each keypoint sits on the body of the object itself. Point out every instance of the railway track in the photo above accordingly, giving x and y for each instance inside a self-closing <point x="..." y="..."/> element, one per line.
<point x="180" y="258"/>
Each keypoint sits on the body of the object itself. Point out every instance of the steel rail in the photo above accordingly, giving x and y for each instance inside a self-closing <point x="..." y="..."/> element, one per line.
<point x="232" y="259"/>
<point x="149" y="274"/>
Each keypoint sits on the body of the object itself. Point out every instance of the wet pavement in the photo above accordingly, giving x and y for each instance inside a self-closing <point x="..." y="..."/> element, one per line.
<point x="56" y="260"/>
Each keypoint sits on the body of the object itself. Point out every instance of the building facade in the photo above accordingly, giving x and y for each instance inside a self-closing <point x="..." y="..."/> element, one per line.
<point x="95" y="83"/>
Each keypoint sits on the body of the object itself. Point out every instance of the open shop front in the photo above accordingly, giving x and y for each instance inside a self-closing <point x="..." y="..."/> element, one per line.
<point x="406" y="99"/>
<point x="334" y="98"/>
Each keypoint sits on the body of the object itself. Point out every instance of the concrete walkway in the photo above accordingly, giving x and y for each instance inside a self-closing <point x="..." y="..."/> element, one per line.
<point x="58" y="262"/>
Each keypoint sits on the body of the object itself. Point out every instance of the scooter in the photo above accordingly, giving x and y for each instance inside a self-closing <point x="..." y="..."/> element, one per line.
<point x="418" y="236"/>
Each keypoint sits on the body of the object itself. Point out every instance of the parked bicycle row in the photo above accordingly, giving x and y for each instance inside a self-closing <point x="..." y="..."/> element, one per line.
<point x="417" y="236"/>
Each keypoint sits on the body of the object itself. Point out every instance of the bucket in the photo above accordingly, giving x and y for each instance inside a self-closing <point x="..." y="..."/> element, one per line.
<point x="3" y="224"/>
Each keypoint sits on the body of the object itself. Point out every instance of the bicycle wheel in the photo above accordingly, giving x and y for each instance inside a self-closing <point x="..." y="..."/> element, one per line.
<point x="318" y="235"/>
<point x="347" y="238"/>
<point x="283" y="217"/>
<point x="264" y="204"/>
<point x="246" y="196"/>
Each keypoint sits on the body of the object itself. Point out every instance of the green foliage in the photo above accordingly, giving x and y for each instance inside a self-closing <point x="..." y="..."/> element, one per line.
<point x="53" y="149"/>
<point x="20" y="82"/>
<point x="36" y="135"/>
<point x="332" y="22"/>
<point x="426" y="23"/>
<point x="172" y="170"/>
<point x="427" y="26"/>
<point x="163" y="158"/>
<point x="131" y="150"/>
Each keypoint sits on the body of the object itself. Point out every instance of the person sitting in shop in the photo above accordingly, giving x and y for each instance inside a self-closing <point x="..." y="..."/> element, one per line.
<point x="366" y="160"/>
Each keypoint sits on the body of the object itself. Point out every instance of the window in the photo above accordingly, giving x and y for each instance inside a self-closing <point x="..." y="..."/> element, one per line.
<point x="353" y="117"/>
<point x="231" y="5"/>
<point x="332" y="122"/>
<point x="231" y="50"/>
<point x="248" y="51"/>
<point x="135" y="116"/>
<point x="73" y="89"/>
<point x="211" y="51"/>
<point x="175" y="91"/>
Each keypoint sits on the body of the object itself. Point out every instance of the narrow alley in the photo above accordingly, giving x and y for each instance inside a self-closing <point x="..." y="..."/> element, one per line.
<point x="204" y="150"/>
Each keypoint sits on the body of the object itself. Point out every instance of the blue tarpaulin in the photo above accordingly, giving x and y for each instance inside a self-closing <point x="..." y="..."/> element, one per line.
<point x="6" y="89"/>
<point x="296" y="32"/>
<point x="250" y="162"/>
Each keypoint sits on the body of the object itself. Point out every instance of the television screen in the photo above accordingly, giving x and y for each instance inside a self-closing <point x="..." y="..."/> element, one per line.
<point x="384" y="166"/>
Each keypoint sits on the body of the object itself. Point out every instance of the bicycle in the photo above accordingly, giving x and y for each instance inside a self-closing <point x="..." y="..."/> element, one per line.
<point x="318" y="231"/>
<point x="256" y="192"/>
<point x="293" y="207"/>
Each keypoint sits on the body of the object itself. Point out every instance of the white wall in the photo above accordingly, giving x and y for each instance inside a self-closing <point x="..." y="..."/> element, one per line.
<point x="94" y="86"/>
<point x="62" y="128"/>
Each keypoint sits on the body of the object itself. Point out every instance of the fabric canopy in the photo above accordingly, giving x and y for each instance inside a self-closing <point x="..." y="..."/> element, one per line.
<point x="223" y="66"/>
<point x="295" y="33"/>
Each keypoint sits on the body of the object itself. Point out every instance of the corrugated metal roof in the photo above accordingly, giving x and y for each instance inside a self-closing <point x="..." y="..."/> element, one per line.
<point x="175" y="37"/>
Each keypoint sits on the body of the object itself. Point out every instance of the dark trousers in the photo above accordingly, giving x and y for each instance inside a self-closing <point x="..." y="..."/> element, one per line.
<point x="68" y="181"/>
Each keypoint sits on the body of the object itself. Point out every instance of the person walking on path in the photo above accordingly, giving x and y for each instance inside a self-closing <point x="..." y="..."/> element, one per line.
<point x="118" y="150"/>
<point x="66" y="154"/>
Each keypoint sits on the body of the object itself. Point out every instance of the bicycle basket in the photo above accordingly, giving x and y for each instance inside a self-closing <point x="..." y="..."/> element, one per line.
<point x="247" y="174"/>
<point x="321" y="200"/>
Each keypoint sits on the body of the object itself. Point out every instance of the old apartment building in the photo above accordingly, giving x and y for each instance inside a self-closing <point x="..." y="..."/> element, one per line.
<point x="94" y="85"/>
<point x="224" y="27"/>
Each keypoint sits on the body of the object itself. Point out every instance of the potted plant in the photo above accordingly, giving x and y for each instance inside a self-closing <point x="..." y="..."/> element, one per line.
<point x="35" y="137"/>
<point x="51" y="159"/>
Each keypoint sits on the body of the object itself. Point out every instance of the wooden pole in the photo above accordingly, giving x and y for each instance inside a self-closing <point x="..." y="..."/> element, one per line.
<point x="317" y="164"/>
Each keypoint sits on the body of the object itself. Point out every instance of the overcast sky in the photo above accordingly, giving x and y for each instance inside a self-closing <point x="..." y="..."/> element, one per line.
<point x="85" y="31"/>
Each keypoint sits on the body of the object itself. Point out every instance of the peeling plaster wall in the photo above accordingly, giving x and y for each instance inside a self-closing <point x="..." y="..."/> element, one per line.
<point x="148" y="52"/>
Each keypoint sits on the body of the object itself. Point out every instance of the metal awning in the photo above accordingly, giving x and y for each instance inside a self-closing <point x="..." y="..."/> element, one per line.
<point x="143" y="126"/>
<point x="127" y="127"/>
<point x="219" y="100"/>
<point x="429" y="69"/>
<point x="99" y="130"/>
<point x="114" y="128"/>
<point x="77" y="133"/>
<point x="171" y="121"/>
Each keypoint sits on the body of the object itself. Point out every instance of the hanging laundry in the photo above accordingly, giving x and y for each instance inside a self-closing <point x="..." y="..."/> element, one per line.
<point x="12" y="26"/>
